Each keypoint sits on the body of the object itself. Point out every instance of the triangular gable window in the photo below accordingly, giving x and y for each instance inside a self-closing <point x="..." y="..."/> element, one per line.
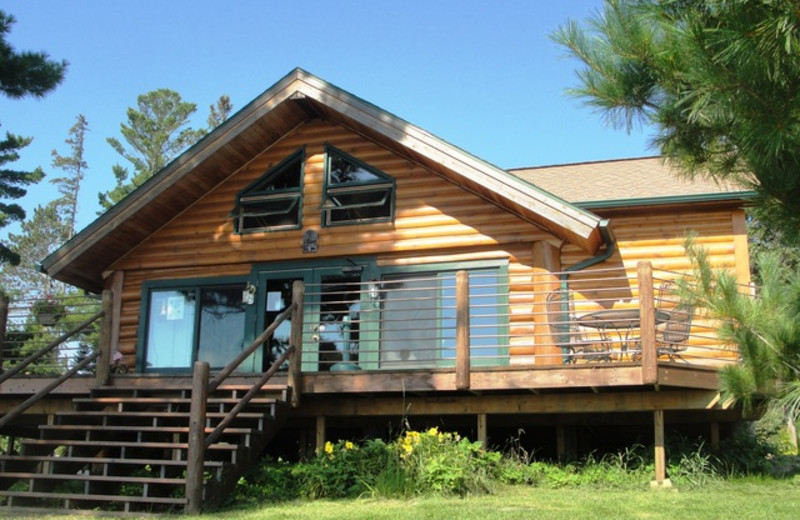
<point x="274" y="201"/>
<point x="355" y="193"/>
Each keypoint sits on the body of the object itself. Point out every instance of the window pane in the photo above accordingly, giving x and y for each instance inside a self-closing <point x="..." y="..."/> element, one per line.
<point x="409" y="321"/>
<point x="270" y="213"/>
<point x="222" y="323"/>
<point x="286" y="178"/>
<point x="484" y="324"/>
<point x="170" y="334"/>
<point x="361" y="205"/>
<point x="343" y="171"/>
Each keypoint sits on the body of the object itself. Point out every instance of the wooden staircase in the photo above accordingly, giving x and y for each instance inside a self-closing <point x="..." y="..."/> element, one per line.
<point x="125" y="450"/>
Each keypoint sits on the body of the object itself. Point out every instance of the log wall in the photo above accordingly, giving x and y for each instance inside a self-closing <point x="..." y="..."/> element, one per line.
<point x="435" y="221"/>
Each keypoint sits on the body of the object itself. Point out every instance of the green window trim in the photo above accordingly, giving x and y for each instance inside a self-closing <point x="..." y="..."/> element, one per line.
<point x="355" y="192"/>
<point x="274" y="201"/>
<point x="156" y="312"/>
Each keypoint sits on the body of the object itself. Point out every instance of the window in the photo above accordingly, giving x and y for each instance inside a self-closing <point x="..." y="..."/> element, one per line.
<point x="355" y="193"/>
<point x="188" y="323"/>
<point x="418" y="318"/>
<point x="274" y="201"/>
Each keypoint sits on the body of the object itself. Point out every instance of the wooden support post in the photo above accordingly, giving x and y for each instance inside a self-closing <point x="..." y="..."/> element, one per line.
<point x="715" y="435"/>
<point x="483" y="430"/>
<point x="561" y="443"/>
<point x="295" y="376"/>
<point x="117" y="285"/>
<point x="103" y="365"/>
<point x="3" y="326"/>
<point x="647" y="324"/>
<point x="320" y="433"/>
<point x="462" y="331"/>
<point x="195" y="457"/>
<point x="660" y="450"/>
<point x="547" y="261"/>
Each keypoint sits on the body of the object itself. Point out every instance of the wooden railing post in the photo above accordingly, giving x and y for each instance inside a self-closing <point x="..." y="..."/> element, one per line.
<point x="103" y="365"/>
<point x="660" y="452"/>
<point x="195" y="458"/>
<point x="462" y="331"/>
<point x="647" y="324"/>
<point x="295" y="376"/>
<point x="3" y="326"/>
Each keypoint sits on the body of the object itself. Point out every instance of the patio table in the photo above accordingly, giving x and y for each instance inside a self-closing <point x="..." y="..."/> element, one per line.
<point x="621" y="324"/>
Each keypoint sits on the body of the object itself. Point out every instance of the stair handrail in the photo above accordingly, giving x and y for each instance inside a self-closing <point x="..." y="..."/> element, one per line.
<point x="19" y="367"/>
<point x="212" y="437"/>
<point x="233" y="365"/>
<point x="38" y="396"/>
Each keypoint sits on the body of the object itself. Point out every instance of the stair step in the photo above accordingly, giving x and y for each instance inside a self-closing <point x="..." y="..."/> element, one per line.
<point x="122" y="444"/>
<point x="134" y="429"/>
<point x="93" y="498"/>
<point x="32" y="512"/>
<point x="104" y="460"/>
<point x="81" y="477"/>
<point x="170" y="400"/>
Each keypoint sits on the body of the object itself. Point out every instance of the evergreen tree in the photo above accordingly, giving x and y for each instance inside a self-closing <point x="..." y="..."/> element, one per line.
<point x="21" y="74"/>
<point x="74" y="166"/>
<point x="156" y="132"/>
<point x="219" y="113"/>
<point x="720" y="80"/>
<point x="51" y="225"/>
<point x="39" y="236"/>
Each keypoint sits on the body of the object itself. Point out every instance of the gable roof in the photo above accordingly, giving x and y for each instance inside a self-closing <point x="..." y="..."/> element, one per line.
<point x="626" y="182"/>
<point x="297" y="98"/>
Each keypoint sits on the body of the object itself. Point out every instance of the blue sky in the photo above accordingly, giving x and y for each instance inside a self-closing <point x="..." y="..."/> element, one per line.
<point x="483" y="75"/>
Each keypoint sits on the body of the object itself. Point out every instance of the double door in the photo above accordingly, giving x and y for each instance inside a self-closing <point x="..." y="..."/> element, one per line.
<point x="335" y="315"/>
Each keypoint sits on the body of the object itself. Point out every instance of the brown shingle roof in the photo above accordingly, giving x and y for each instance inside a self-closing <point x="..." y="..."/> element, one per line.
<point x="623" y="179"/>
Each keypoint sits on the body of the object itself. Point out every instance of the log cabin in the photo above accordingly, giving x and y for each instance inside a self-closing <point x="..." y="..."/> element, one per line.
<point x="342" y="273"/>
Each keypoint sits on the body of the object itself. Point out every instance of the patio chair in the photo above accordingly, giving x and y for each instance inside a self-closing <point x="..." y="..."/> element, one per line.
<point x="567" y="334"/>
<point x="673" y="339"/>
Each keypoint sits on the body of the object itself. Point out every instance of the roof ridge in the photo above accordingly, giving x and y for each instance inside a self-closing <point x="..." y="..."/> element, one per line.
<point x="582" y="163"/>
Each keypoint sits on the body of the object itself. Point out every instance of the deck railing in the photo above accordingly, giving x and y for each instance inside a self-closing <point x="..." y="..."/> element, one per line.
<point x="61" y="327"/>
<point x="531" y="318"/>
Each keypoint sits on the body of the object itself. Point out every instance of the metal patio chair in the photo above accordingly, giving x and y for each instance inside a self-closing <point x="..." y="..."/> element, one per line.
<point x="567" y="334"/>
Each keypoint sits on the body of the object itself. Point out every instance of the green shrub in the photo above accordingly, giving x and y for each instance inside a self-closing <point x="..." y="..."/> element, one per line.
<point x="270" y="481"/>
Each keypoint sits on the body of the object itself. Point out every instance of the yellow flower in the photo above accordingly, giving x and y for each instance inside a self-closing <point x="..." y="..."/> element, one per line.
<point x="328" y="448"/>
<point x="349" y="445"/>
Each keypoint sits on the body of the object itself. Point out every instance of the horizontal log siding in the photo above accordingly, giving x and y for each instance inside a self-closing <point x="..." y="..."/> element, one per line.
<point x="659" y="238"/>
<point x="435" y="221"/>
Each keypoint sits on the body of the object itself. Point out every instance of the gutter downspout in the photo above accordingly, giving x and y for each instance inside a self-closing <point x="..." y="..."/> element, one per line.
<point x="610" y="243"/>
<point x="605" y="254"/>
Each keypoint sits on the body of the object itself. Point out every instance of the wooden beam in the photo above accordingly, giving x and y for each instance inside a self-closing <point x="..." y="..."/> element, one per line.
<point x="578" y="403"/>
<point x="117" y="284"/>
<point x="714" y="435"/>
<point x="462" y="331"/>
<point x="295" y="376"/>
<point x="660" y="453"/>
<point x="320" y="433"/>
<point x="741" y="252"/>
<point x="546" y="257"/>
<point x="483" y="432"/>
<point x="104" y="344"/>
<point x="195" y="457"/>
<point x="583" y="376"/>
<point x="647" y="324"/>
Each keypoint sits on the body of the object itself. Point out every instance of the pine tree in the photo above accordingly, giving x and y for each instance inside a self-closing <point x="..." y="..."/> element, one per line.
<point x="219" y="113"/>
<point x="74" y="166"/>
<point x="21" y="74"/>
<point x="719" y="80"/>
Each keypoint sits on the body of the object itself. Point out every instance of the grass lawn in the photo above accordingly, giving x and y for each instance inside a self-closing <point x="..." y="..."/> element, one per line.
<point x="751" y="500"/>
